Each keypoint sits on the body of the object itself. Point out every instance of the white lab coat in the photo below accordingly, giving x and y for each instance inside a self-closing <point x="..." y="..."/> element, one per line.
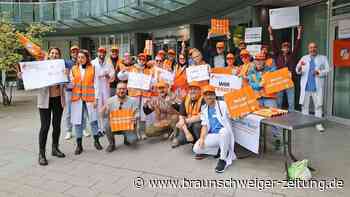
<point x="224" y="120"/>
<point x="323" y="66"/>
<point x="77" y="106"/>
<point x="101" y="70"/>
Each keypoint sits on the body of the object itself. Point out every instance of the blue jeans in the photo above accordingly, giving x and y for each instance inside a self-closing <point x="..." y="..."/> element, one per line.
<point x="290" y="97"/>
<point x="80" y="127"/>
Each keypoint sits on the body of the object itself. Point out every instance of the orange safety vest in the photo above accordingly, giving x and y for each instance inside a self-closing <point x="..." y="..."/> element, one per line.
<point x="180" y="79"/>
<point x="135" y="92"/>
<point x="83" y="88"/>
<point x="192" y="110"/>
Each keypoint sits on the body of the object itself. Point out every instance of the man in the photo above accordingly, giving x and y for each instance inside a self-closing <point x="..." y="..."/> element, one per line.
<point x="286" y="58"/>
<point x="164" y="110"/>
<point x="158" y="61"/>
<point x="269" y="60"/>
<point x="216" y="133"/>
<point x="313" y="69"/>
<point x="216" y="58"/>
<point x="189" y="124"/>
<point x="169" y="64"/>
<point x="74" y="50"/>
<point x="139" y="95"/>
<point x="116" y="63"/>
<point x="105" y="74"/>
<point x="257" y="70"/>
<point x="118" y="102"/>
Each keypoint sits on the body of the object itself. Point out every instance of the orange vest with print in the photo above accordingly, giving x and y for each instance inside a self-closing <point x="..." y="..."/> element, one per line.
<point x="180" y="80"/>
<point x="83" y="88"/>
<point x="192" y="110"/>
<point x="135" y="92"/>
<point x="167" y="65"/>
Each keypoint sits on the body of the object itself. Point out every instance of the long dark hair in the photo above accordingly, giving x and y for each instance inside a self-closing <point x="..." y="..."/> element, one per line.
<point x="55" y="48"/>
<point x="87" y="55"/>
<point x="186" y="59"/>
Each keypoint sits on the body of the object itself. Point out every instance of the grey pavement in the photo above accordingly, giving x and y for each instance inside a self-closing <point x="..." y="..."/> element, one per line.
<point x="118" y="174"/>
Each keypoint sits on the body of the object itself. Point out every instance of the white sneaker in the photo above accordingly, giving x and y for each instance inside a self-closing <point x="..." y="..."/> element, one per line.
<point x="320" y="128"/>
<point x="68" y="136"/>
<point x="86" y="134"/>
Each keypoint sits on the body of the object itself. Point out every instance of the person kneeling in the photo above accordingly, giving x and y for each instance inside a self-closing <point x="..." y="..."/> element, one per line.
<point x="216" y="133"/>
<point x="189" y="123"/>
<point x="118" y="104"/>
<point x="163" y="107"/>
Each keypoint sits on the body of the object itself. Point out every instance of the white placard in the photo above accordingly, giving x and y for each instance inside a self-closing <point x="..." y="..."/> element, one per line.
<point x="281" y="18"/>
<point x="254" y="49"/>
<point x="39" y="74"/>
<point x="197" y="73"/>
<point x="344" y="29"/>
<point x="247" y="132"/>
<point x="252" y="34"/>
<point x="139" y="81"/>
<point x="162" y="74"/>
<point x="224" y="83"/>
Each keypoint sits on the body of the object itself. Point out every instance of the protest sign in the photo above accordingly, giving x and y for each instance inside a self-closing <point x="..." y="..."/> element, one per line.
<point x="241" y="102"/>
<point x="277" y="81"/>
<point x="224" y="83"/>
<point x="39" y="74"/>
<point x="281" y="18"/>
<point x="197" y="73"/>
<point x="122" y="120"/>
<point x="252" y="34"/>
<point x="164" y="75"/>
<point x="254" y="49"/>
<point x="139" y="81"/>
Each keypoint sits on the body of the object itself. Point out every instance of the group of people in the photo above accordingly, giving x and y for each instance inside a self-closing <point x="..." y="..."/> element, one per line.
<point x="185" y="112"/>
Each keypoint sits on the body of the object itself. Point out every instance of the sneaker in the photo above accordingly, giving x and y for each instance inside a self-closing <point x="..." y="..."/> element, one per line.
<point x="220" y="167"/>
<point x="320" y="128"/>
<point x="68" y="136"/>
<point x="86" y="134"/>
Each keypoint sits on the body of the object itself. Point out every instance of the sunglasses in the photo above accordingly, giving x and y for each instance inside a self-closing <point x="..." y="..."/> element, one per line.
<point x="230" y="58"/>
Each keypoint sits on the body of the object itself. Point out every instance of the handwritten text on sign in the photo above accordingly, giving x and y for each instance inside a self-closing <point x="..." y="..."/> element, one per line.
<point x="197" y="73"/>
<point x="139" y="81"/>
<point x="224" y="83"/>
<point x="39" y="74"/>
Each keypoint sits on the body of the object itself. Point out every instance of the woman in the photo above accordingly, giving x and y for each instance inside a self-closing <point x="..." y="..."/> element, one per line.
<point x="84" y="98"/>
<point x="180" y="86"/>
<point x="50" y="101"/>
<point x="230" y="61"/>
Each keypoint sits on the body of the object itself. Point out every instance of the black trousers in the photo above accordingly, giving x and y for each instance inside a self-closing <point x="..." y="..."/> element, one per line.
<point x="56" y="109"/>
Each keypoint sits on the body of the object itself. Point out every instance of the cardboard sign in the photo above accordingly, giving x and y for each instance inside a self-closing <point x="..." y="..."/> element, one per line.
<point x="241" y="102"/>
<point x="122" y="120"/>
<point x="224" y="83"/>
<point x="341" y="53"/>
<point x="148" y="47"/>
<point x="164" y="75"/>
<point x="252" y="34"/>
<point x="39" y="74"/>
<point x="254" y="49"/>
<point x="277" y="81"/>
<point x="139" y="81"/>
<point x="281" y="18"/>
<point x="197" y="73"/>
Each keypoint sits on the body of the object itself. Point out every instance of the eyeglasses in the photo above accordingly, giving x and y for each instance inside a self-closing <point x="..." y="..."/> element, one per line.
<point x="230" y="58"/>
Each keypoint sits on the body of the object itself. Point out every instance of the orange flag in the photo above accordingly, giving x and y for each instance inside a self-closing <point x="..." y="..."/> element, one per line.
<point x="31" y="47"/>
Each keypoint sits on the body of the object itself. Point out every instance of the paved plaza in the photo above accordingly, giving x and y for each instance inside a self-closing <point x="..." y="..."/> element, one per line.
<point x="119" y="174"/>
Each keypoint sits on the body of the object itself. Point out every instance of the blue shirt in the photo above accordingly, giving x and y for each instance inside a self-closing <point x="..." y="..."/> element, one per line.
<point x="311" y="80"/>
<point x="215" y="125"/>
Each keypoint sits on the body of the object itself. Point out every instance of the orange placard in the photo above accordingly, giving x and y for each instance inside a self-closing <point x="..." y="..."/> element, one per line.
<point x="220" y="26"/>
<point x="241" y="102"/>
<point x="277" y="81"/>
<point x="122" y="120"/>
<point x="222" y="70"/>
<point x="341" y="53"/>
